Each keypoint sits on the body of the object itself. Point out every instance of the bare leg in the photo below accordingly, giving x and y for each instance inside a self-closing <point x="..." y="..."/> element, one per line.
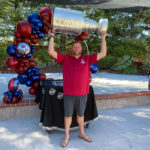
<point x="67" y="121"/>
<point x="80" y="120"/>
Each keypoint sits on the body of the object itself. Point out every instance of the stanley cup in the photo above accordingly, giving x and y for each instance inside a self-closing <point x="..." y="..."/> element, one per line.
<point x="72" y="22"/>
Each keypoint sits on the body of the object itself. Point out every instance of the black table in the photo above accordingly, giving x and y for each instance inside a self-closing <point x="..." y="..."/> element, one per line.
<point x="50" y="100"/>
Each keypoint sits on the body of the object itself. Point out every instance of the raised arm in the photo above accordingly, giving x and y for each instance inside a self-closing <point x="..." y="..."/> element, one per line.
<point x="51" y="50"/>
<point x="103" y="50"/>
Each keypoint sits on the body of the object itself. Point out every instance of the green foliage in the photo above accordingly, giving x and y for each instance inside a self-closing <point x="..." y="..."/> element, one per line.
<point x="146" y="67"/>
<point x="41" y="56"/>
<point x="130" y="70"/>
<point x="123" y="63"/>
<point x="3" y="56"/>
<point x="107" y="62"/>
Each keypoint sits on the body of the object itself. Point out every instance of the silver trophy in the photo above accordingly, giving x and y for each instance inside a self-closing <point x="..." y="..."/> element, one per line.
<point x="72" y="22"/>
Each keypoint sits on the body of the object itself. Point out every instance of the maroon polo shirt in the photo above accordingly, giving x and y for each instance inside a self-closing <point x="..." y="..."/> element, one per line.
<point x="76" y="73"/>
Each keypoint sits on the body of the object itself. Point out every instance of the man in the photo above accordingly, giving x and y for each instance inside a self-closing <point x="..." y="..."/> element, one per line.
<point x="76" y="75"/>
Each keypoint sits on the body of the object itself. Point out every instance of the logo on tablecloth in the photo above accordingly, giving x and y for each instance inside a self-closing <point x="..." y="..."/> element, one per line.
<point x="60" y="95"/>
<point x="52" y="91"/>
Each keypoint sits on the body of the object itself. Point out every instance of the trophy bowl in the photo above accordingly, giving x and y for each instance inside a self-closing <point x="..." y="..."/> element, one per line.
<point x="73" y="22"/>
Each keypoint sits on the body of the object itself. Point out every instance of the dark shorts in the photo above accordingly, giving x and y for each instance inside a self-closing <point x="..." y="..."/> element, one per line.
<point x="72" y="102"/>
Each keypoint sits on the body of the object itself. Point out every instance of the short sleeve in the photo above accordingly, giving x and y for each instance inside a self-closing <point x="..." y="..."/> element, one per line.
<point x="92" y="58"/>
<point x="60" y="57"/>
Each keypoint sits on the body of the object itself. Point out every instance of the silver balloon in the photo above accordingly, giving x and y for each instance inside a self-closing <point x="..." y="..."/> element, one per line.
<point x="67" y="21"/>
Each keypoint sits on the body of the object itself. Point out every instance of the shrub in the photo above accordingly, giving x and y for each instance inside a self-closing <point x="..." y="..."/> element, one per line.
<point x="107" y="62"/>
<point x="129" y="50"/>
<point x="130" y="70"/>
<point x="123" y="63"/>
<point x="3" y="56"/>
<point x="145" y="67"/>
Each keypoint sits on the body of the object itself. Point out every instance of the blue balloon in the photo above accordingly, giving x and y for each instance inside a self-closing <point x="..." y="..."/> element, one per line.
<point x="30" y="55"/>
<point x="93" y="68"/>
<point x="10" y="93"/>
<point x="11" y="96"/>
<point x="15" y="93"/>
<point x="18" y="55"/>
<point x="22" y="78"/>
<point x="29" y="71"/>
<point x="37" y="28"/>
<point x="5" y="93"/>
<point x="34" y="78"/>
<point x="39" y="24"/>
<point x="41" y="35"/>
<point x="33" y="26"/>
<point x="33" y="47"/>
<point x="29" y="83"/>
<point x="9" y="99"/>
<point x="32" y="17"/>
<point x="11" y="50"/>
<point x="33" y="31"/>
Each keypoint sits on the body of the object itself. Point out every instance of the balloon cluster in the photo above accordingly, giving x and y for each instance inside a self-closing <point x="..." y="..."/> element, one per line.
<point x="37" y="26"/>
<point x="21" y="51"/>
<point x="12" y="95"/>
<point x="31" y="79"/>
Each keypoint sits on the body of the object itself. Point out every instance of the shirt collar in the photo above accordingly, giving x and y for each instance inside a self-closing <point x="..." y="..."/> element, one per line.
<point x="76" y="58"/>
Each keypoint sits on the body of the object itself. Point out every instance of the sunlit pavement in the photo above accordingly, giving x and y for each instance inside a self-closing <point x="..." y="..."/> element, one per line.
<point x="103" y="83"/>
<point x="117" y="129"/>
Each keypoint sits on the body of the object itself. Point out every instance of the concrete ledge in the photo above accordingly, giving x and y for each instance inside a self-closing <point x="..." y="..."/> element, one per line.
<point x="19" y="112"/>
<point x="122" y="102"/>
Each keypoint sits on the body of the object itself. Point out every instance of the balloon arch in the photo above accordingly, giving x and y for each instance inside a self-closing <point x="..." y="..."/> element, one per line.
<point x="20" y="54"/>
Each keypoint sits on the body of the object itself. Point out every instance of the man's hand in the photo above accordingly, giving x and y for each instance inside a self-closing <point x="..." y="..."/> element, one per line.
<point x="102" y="53"/>
<point x="103" y="35"/>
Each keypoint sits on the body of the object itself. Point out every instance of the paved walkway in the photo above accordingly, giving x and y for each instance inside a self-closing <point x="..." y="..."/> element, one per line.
<point x="118" y="129"/>
<point x="103" y="83"/>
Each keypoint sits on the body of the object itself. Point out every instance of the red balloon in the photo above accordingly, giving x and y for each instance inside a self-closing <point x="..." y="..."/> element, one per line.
<point x="27" y="40"/>
<point x="25" y="60"/>
<point x="12" y="62"/>
<point x="32" y="63"/>
<point x="46" y="29"/>
<point x="14" y="100"/>
<point x="24" y="28"/>
<point x="42" y="76"/>
<point x="32" y="91"/>
<point x="18" y="39"/>
<point x="15" y="42"/>
<point x="46" y="17"/>
<point x="13" y="84"/>
<point x="20" y="69"/>
<point x="35" y="84"/>
<point x="34" y="41"/>
<point x="44" y="11"/>
<point x="17" y="35"/>
<point x="5" y="99"/>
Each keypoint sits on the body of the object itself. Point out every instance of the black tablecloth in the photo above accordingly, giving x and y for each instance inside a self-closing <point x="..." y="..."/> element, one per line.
<point x="50" y="100"/>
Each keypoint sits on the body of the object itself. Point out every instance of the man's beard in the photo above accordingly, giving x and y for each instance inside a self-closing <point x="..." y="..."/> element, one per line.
<point x="76" y="54"/>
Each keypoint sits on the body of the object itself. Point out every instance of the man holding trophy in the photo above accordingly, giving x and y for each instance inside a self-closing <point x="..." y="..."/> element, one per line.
<point x="76" y="69"/>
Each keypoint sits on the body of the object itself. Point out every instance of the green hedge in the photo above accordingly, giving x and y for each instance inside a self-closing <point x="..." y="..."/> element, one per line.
<point x="107" y="62"/>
